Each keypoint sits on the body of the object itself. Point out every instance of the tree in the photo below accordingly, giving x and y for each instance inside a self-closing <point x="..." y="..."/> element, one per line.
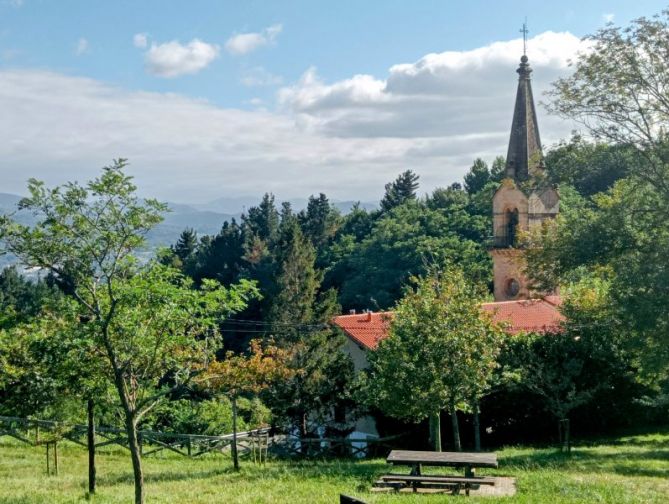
<point x="296" y="284"/>
<point x="441" y="348"/>
<point x="186" y="245"/>
<point x="263" y="221"/>
<point x="405" y="242"/>
<point x="153" y="329"/>
<point x="319" y="221"/>
<point x="477" y="176"/>
<point x="238" y="374"/>
<point x="321" y="373"/>
<point x="400" y="191"/>
<point x="589" y="167"/>
<point x="618" y="92"/>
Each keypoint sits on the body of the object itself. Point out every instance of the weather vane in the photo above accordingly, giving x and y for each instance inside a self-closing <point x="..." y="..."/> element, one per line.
<point x="524" y="31"/>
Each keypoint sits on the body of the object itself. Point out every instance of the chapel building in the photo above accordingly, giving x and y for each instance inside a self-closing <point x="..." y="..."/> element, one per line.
<point x="524" y="200"/>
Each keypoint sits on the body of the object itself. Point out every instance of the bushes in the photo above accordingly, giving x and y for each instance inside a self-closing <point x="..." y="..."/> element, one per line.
<point x="211" y="417"/>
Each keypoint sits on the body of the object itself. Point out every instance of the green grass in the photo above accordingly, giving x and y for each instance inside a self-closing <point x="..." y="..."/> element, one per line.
<point x="632" y="469"/>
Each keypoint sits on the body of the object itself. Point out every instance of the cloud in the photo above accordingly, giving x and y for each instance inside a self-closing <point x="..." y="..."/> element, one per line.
<point x="346" y="138"/>
<point x="608" y="18"/>
<point x="16" y="3"/>
<point x="442" y="94"/>
<point x="258" y="76"/>
<point x="173" y="59"/>
<point x="244" y="43"/>
<point x="140" y="40"/>
<point x="82" y="47"/>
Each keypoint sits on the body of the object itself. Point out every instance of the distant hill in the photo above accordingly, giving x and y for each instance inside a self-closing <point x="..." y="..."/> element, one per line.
<point x="233" y="205"/>
<point x="205" y="219"/>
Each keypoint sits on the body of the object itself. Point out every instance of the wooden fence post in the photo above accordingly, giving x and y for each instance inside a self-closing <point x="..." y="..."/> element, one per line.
<point x="235" y="456"/>
<point x="91" y="447"/>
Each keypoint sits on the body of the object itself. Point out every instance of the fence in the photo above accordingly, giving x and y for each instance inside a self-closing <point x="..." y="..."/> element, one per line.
<point x="255" y="443"/>
<point x="37" y="432"/>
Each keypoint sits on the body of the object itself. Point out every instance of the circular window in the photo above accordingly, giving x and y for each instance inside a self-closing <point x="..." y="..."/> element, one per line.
<point x="512" y="287"/>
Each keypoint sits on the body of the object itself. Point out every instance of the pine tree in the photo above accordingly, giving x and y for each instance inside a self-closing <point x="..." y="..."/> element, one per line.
<point x="400" y="191"/>
<point x="263" y="221"/>
<point x="477" y="177"/>
<point x="186" y="245"/>
<point x="319" y="220"/>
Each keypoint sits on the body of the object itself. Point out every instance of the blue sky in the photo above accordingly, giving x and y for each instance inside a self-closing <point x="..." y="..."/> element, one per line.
<point x="213" y="94"/>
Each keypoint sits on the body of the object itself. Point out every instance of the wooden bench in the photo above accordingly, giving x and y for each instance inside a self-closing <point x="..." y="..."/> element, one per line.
<point x="398" y="481"/>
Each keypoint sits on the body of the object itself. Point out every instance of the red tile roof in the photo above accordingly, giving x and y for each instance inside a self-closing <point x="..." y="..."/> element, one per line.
<point x="535" y="315"/>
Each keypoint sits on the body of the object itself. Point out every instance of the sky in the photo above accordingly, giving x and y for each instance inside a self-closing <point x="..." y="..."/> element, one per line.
<point x="211" y="99"/>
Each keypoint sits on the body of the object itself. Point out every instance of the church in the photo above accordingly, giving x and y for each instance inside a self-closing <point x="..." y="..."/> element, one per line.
<point x="523" y="201"/>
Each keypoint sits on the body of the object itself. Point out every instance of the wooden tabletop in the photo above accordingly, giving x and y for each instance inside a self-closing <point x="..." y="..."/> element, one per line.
<point x="451" y="459"/>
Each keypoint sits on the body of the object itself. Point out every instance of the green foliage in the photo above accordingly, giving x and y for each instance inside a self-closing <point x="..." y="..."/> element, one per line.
<point x="477" y="177"/>
<point x="400" y="191"/>
<point x="441" y="351"/>
<point x="212" y="417"/>
<point x="589" y="167"/>
<point x="20" y="298"/>
<point x="406" y="242"/>
<point x="145" y="321"/>
<point x="185" y="246"/>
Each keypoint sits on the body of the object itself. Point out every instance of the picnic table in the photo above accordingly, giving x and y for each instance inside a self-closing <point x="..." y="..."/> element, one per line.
<point x="418" y="459"/>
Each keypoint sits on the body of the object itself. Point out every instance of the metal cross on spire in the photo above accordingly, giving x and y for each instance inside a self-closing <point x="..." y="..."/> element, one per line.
<point x="524" y="31"/>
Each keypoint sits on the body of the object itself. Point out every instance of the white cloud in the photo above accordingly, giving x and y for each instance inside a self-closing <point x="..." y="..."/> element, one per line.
<point x="345" y="138"/>
<point x="140" y="40"/>
<point x="16" y="3"/>
<point x="244" y="43"/>
<point x="442" y="94"/>
<point x="173" y="59"/>
<point x="608" y="18"/>
<point x="82" y="47"/>
<point x="259" y="76"/>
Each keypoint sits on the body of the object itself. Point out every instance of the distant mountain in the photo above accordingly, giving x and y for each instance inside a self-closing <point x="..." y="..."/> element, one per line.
<point x="8" y="202"/>
<point x="233" y="205"/>
<point x="205" y="219"/>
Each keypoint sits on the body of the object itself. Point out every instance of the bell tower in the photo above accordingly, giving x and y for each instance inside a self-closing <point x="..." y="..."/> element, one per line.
<point x="524" y="199"/>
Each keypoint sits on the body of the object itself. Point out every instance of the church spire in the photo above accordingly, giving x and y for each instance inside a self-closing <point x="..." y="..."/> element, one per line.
<point x="524" y="155"/>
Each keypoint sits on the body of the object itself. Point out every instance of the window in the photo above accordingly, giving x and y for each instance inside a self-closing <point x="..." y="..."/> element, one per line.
<point x="512" y="287"/>
<point x="511" y="219"/>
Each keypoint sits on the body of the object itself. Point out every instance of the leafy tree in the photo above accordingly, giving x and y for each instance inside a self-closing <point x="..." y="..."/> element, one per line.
<point x="588" y="167"/>
<point x="400" y="191"/>
<point x="237" y="374"/>
<point x="440" y="350"/>
<point x="618" y="92"/>
<point x="405" y="242"/>
<point x="477" y="176"/>
<point x="146" y="321"/>
<point x="22" y="299"/>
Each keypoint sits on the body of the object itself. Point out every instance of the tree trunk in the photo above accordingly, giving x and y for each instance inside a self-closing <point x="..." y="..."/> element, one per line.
<point x="477" y="429"/>
<point x="456" y="429"/>
<point x="435" y="431"/>
<point x="235" y="456"/>
<point x="136" y="456"/>
<point x="91" y="447"/>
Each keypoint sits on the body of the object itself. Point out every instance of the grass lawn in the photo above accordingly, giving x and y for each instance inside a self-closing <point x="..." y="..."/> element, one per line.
<point x="631" y="469"/>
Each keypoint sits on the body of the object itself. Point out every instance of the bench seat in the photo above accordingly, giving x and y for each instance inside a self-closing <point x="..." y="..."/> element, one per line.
<point x="456" y="483"/>
<point x="453" y="480"/>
